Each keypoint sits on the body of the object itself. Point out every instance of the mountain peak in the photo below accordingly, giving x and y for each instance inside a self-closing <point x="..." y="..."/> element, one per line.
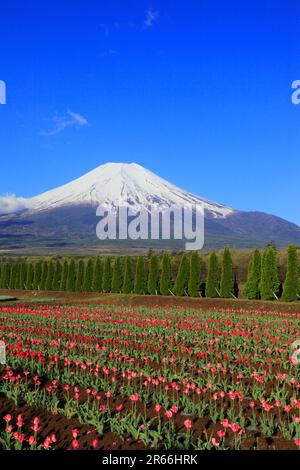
<point x="109" y="183"/>
<point x="66" y="216"/>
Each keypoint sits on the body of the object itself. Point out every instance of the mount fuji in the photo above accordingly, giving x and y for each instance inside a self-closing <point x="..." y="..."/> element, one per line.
<point x="64" y="219"/>
<point x="128" y="182"/>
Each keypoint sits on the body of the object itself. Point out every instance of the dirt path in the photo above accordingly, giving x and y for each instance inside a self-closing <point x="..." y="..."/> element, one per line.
<point x="94" y="298"/>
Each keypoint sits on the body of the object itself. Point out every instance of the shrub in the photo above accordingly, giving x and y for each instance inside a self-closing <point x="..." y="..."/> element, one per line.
<point x="291" y="284"/>
<point x="194" y="281"/>
<point x="212" y="281"/>
<point x="227" y="277"/>
<point x="165" y="277"/>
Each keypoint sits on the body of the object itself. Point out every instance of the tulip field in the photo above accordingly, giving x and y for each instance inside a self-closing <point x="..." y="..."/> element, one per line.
<point x="111" y="377"/>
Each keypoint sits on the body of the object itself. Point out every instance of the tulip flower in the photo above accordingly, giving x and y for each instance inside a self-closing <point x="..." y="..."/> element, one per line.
<point x="75" y="444"/>
<point x="32" y="441"/>
<point x="95" y="443"/>
<point x="214" y="442"/>
<point x="19" y="421"/>
<point x="188" y="424"/>
<point x="134" y="397"/>
<point x="75" y="433"/>
<point x="157" y="408"/>
<point x="7" y="418"/>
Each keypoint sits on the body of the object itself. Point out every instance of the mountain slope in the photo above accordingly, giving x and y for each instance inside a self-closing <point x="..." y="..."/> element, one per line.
<point x="64" y="219"/>
<point x="113" y="183"/>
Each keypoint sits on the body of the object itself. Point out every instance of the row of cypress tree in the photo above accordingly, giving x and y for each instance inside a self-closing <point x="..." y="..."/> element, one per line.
<point x="263" y="278"/>
<point x="112" y="275"/>
<point x="118" y="275"/>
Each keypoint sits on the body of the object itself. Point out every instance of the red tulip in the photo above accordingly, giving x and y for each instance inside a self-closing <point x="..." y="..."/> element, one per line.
<point x="225" y="423"/>
<point x="19" y="421"/>
<point x="19" y="437"/>
<point x="32" y="440"/>
<point x="75" y="444"/>
<point x="95" y="443"/>
<point x="75" y="433"/>
<point x="157" y="408"/>
<point x="214" y="442"/>
<point x="134" y="397"/>
<point x="188" y="423"/>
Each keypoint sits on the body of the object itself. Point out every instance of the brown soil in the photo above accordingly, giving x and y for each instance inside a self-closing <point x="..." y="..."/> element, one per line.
<point x="61" y="427"/>
<point x="94" y="298"/>
<point x="203" y="427"/>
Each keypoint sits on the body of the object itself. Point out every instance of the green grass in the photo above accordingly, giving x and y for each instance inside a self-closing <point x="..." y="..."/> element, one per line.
<point x="6" y="298"/>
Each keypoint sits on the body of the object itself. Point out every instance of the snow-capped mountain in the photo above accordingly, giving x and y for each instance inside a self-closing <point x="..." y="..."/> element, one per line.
<point x="64" y="219"/>
<point x="112" y="183"/>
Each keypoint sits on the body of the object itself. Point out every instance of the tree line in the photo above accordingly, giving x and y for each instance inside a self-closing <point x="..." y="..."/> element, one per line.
<point x="153" y="275"/>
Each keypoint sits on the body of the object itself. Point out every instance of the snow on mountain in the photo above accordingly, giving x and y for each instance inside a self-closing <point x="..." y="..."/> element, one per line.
<point x="113" y="182"/>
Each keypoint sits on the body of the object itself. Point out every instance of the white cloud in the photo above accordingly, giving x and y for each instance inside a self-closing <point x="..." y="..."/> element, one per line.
<point x="78" y="118"/>
<point x="60" y="123"/>
<point x="151" y="18"/>
<point x="10" y="203"/>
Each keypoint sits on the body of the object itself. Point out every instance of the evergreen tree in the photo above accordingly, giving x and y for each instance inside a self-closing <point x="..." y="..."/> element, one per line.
<point x="3" y="275"/>
<point x="97" y="275"/>
<point x="269" y="274"/>
<point x="227" y="276"/>
<point x="80" y="275"/>
<point x="127" y="286"/>
<point x="64" y="275"/>
<point x="56" y="276"/>
<point x="212" y="281"/>
<point x="50" y="274"/>
<point x="252" y="286"/>
<point x="37" y="275"/>
<point x="71" y="279"/>
<point x="29" y="277"/>
<point x="44" y="275"/>
<point x="13" y="275"/>
<point x="153" y="274"/>
<point x="2" y="266"/>
<point x="291" y="285"/>
<point x="165" y="276"/>
<point x="194" y="281"/>
<point x="106" y="281"/>
<point x="140" y="280"/>
<point x="18" y="283"/>
<point x="182" y="276"/>
<point x="23" y="274"/>
<point x="116" y="281"/>
<point x="88" y="276"/>
<point x="6" y="275"/>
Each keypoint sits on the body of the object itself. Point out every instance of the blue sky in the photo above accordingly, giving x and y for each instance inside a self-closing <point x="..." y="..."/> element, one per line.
<point x="197" y="91"/>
